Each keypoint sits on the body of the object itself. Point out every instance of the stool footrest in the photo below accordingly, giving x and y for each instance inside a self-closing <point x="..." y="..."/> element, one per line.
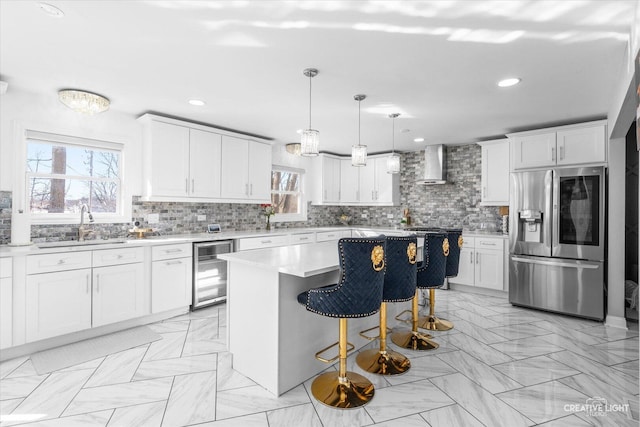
<point x="350" y="347"/>
<point x="363" y="333"/>
<point x="400" y="316"/>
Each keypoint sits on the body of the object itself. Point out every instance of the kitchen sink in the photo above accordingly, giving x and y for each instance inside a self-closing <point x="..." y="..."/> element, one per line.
<point x="75" y="243"/>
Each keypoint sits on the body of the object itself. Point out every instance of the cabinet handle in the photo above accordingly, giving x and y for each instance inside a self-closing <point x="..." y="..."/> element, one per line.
<point x="61" y="261"/>
<point x="325" y="194"/>
<point x="304" y="238"/>
<point x="553" y="153"/>
<point x="193" y="185"/>
<point x="357" y="194"/>
<point x="265" y="241"/>
<point x="171" y="251"/>
<point x="251" y="189"/>
<point x="484" y="191"/>
<point x="562" y="152"/>
<point x="477" y="257"/>
<point x="186" y="185"/>
<point x="173" y="262"/>
<point x="471" y="257"/>
<point x="487" y="244"/>
<point x="97" y="283"/>
<point x="119" y="256"/>
<point x="246" y="189"/>
<point x="87" y="290"/>
<point x="373" y="195"/>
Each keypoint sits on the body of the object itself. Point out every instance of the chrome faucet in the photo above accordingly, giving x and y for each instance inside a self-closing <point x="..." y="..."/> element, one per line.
<point x="82" y="232"/>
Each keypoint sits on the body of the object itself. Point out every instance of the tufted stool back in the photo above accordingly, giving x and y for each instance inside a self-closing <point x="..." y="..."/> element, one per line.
<point x="401" y="264"/>
<point x="455" y="245"/>
<point x="432" y="270"/>
<point x="358" y="292"/>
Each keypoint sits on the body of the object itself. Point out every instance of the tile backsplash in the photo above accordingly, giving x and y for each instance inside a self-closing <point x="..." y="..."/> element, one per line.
<point x="454" y="204"/>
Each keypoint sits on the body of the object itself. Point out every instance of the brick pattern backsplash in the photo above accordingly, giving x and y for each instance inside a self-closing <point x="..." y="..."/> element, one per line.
<point x="454" y="204"/>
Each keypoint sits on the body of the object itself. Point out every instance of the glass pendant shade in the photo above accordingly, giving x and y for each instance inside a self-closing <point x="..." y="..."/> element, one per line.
<point x="358" y="155"/>
<point x="83" y="102"/>
<point x="309" y="142"/>
<point x="393" y="164"/>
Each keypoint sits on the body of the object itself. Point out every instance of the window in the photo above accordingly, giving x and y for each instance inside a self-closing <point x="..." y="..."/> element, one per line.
<point x="287" y="196"/>
<point x="63" y="173"/>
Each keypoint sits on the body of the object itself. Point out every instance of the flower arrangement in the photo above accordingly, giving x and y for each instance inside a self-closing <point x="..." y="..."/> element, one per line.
<point x="268" y="210"/>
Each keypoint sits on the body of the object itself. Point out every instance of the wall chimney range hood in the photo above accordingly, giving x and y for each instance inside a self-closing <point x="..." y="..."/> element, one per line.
<point x="435" y="165"/>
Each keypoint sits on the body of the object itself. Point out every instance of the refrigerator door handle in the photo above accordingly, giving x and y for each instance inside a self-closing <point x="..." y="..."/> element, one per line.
<point x="558" y="263"/>
<point x="552" y="218"/>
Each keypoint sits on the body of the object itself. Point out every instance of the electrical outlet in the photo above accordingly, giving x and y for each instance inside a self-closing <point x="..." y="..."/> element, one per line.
<point x="364" y="215"/>
<point x="202" y="217"/>
<point x="389" y="216"/>
<point x="153" y="218"/>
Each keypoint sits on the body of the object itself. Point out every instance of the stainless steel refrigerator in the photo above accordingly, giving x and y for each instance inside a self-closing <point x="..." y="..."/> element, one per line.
<point x="557" y="240"/>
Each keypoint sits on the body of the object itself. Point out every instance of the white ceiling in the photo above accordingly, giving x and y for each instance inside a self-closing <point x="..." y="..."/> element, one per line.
<point x="435" y="62"/>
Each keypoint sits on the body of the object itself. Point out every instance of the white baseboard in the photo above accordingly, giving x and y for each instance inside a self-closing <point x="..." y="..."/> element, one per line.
<point x="616" y="322"/>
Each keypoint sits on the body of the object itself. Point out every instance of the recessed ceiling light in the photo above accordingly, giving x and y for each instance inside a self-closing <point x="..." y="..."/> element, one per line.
<point x="51" y="10"/>
<point x="197" y="102"/>
<point x="299" y="131"/>
<point x="509" y="82"/>
<point x="418" y="140"/>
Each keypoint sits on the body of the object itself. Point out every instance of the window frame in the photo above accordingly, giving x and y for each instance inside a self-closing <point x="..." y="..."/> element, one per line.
<point x="291" y="217"/>
<point x="123" y="202"/>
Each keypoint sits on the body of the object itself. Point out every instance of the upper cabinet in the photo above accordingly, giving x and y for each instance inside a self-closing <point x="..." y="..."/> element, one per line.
<point x="185" y="162"/>
<point x="327" y="179"/>
<point x="584" y="143"/>
<point x="495" y="172"/>
<point x="368" y="185"/>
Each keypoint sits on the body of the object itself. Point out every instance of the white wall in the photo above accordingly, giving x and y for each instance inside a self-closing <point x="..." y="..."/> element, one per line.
<point x="44" y="112"/>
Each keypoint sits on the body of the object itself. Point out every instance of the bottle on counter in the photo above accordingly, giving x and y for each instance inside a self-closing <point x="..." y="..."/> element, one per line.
<point x="406" y="217"/>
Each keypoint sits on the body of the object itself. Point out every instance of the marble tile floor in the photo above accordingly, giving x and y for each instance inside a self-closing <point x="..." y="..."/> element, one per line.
<point x="500" y="366"/>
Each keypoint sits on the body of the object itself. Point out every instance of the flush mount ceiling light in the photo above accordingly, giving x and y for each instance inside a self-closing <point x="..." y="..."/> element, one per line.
<point x="83" y="102"/>
<point x="359" y="152"/>
<point x="310" y="137"/>
<point x="509" y="82"/>
<point x="197" y="102"/>
<point x="294" y="148"/>
<point x="393" y="161"/>
<point x="51" y="10"/>
<point x="418" y="140"/>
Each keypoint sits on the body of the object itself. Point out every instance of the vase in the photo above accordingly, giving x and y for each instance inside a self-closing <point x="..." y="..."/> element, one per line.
<point x="268" y="222"/>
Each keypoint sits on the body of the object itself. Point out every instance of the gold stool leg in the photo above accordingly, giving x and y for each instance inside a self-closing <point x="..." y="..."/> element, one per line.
<point x="414" y="340"/>
<point x="431" y="322"/>
<point x="383" y="361"/>
<point x="342" y="389"/>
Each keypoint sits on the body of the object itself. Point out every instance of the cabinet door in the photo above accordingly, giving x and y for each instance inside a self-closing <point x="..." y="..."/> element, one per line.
<point x="58" y="303"/>
<point x="466" y="270"/>
<point x="118" y="293"/>
<point x="169" y="160"/>
<point x="205" y="149"/>
<point x="330" y="179"/>
<point x="489" y="268"/>
<point x="349" y="182"/>
<point x="235" y="168"/>
<point x="170" y="284"/>
<point x="495" y="174"/>
<point x="260" y="172"/>
<point x="534" y="151"/>
<point x="368" y="182"/>
<point x="586" y="145"/>
<point x="387" y="184"/>
<point x="6" y="312"/>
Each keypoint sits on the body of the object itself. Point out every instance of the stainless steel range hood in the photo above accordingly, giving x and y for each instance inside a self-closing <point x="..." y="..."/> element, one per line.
<point x="435" y="165"/>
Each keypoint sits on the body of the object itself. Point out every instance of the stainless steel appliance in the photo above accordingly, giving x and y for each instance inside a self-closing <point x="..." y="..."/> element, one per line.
<point x="209" y="273"/>
<point x="557" y="240"/>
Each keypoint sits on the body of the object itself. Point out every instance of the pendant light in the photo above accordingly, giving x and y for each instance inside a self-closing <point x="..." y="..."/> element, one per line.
<point x="310" y="137"/>
<point x="359" y="152"/>
<point x="393" y="161"/>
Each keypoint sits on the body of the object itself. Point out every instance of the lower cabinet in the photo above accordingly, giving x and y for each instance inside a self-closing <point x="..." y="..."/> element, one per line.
<point x="118" y="293"/>
<point x="6" y="302"/>
<point x="171" y="274"/>
<point x="58" y="303"/>
<point x="481" y="263"/>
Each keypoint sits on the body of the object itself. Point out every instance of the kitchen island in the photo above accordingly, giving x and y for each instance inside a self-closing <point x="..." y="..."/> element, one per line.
<point x="273" y="339"/>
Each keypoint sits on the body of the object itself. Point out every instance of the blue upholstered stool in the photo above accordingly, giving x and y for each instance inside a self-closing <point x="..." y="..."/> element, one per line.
<point x="431" y="275"/>
<point x="399" y="285"/>
<point x="357" y="294"/>
<point x="455" y="245"/>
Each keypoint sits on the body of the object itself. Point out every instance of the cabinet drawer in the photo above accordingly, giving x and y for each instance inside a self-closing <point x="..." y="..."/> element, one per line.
<point x="37" y="264"/>
<point x="117" y="256"/>
<point x="489" y="243"/>
<point x="6" y="267"/>
<point x="179" y="250"/>
<point x="262" y="242"/>
<point x="332" y="235"/>
<point x="297" y="239"/>
<point x="468" y="242"/>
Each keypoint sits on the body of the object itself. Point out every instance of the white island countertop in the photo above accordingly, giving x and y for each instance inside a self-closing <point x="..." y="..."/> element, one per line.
<point x="297" y="260"/>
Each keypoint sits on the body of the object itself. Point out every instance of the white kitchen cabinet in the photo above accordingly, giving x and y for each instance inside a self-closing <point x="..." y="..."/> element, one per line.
<point x="57" y="303"/>
<point x="246" y="170"/>
<point x="6" y="302"/>
<point x="171" y="274"/>
<point x="302" y="238"/>
<point x="349" y="182"/>
<point x="495" y="173"/>
<point x="584" y="143"/>
<point x="330" y="178"/>
<point x="205" y="154"/>
<point x="118" y="285"/>
<point x="367" y="180"/>
<point x="481" y="263"/>
<point x="369" y="185"/>
<point x="327" y="236"/>
<point x="249" y="243"/>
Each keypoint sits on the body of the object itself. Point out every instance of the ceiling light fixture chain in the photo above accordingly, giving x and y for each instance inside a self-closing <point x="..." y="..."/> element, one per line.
<point x="310" y="137"/>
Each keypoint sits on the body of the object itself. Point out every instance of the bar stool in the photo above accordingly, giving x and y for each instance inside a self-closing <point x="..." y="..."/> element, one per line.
<point x="431" y="275"/>
<point x="455" y="245"/>
<point x="413" y="339"/>
<point x="357" y="294"/>
<point x="399" y="285"/>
